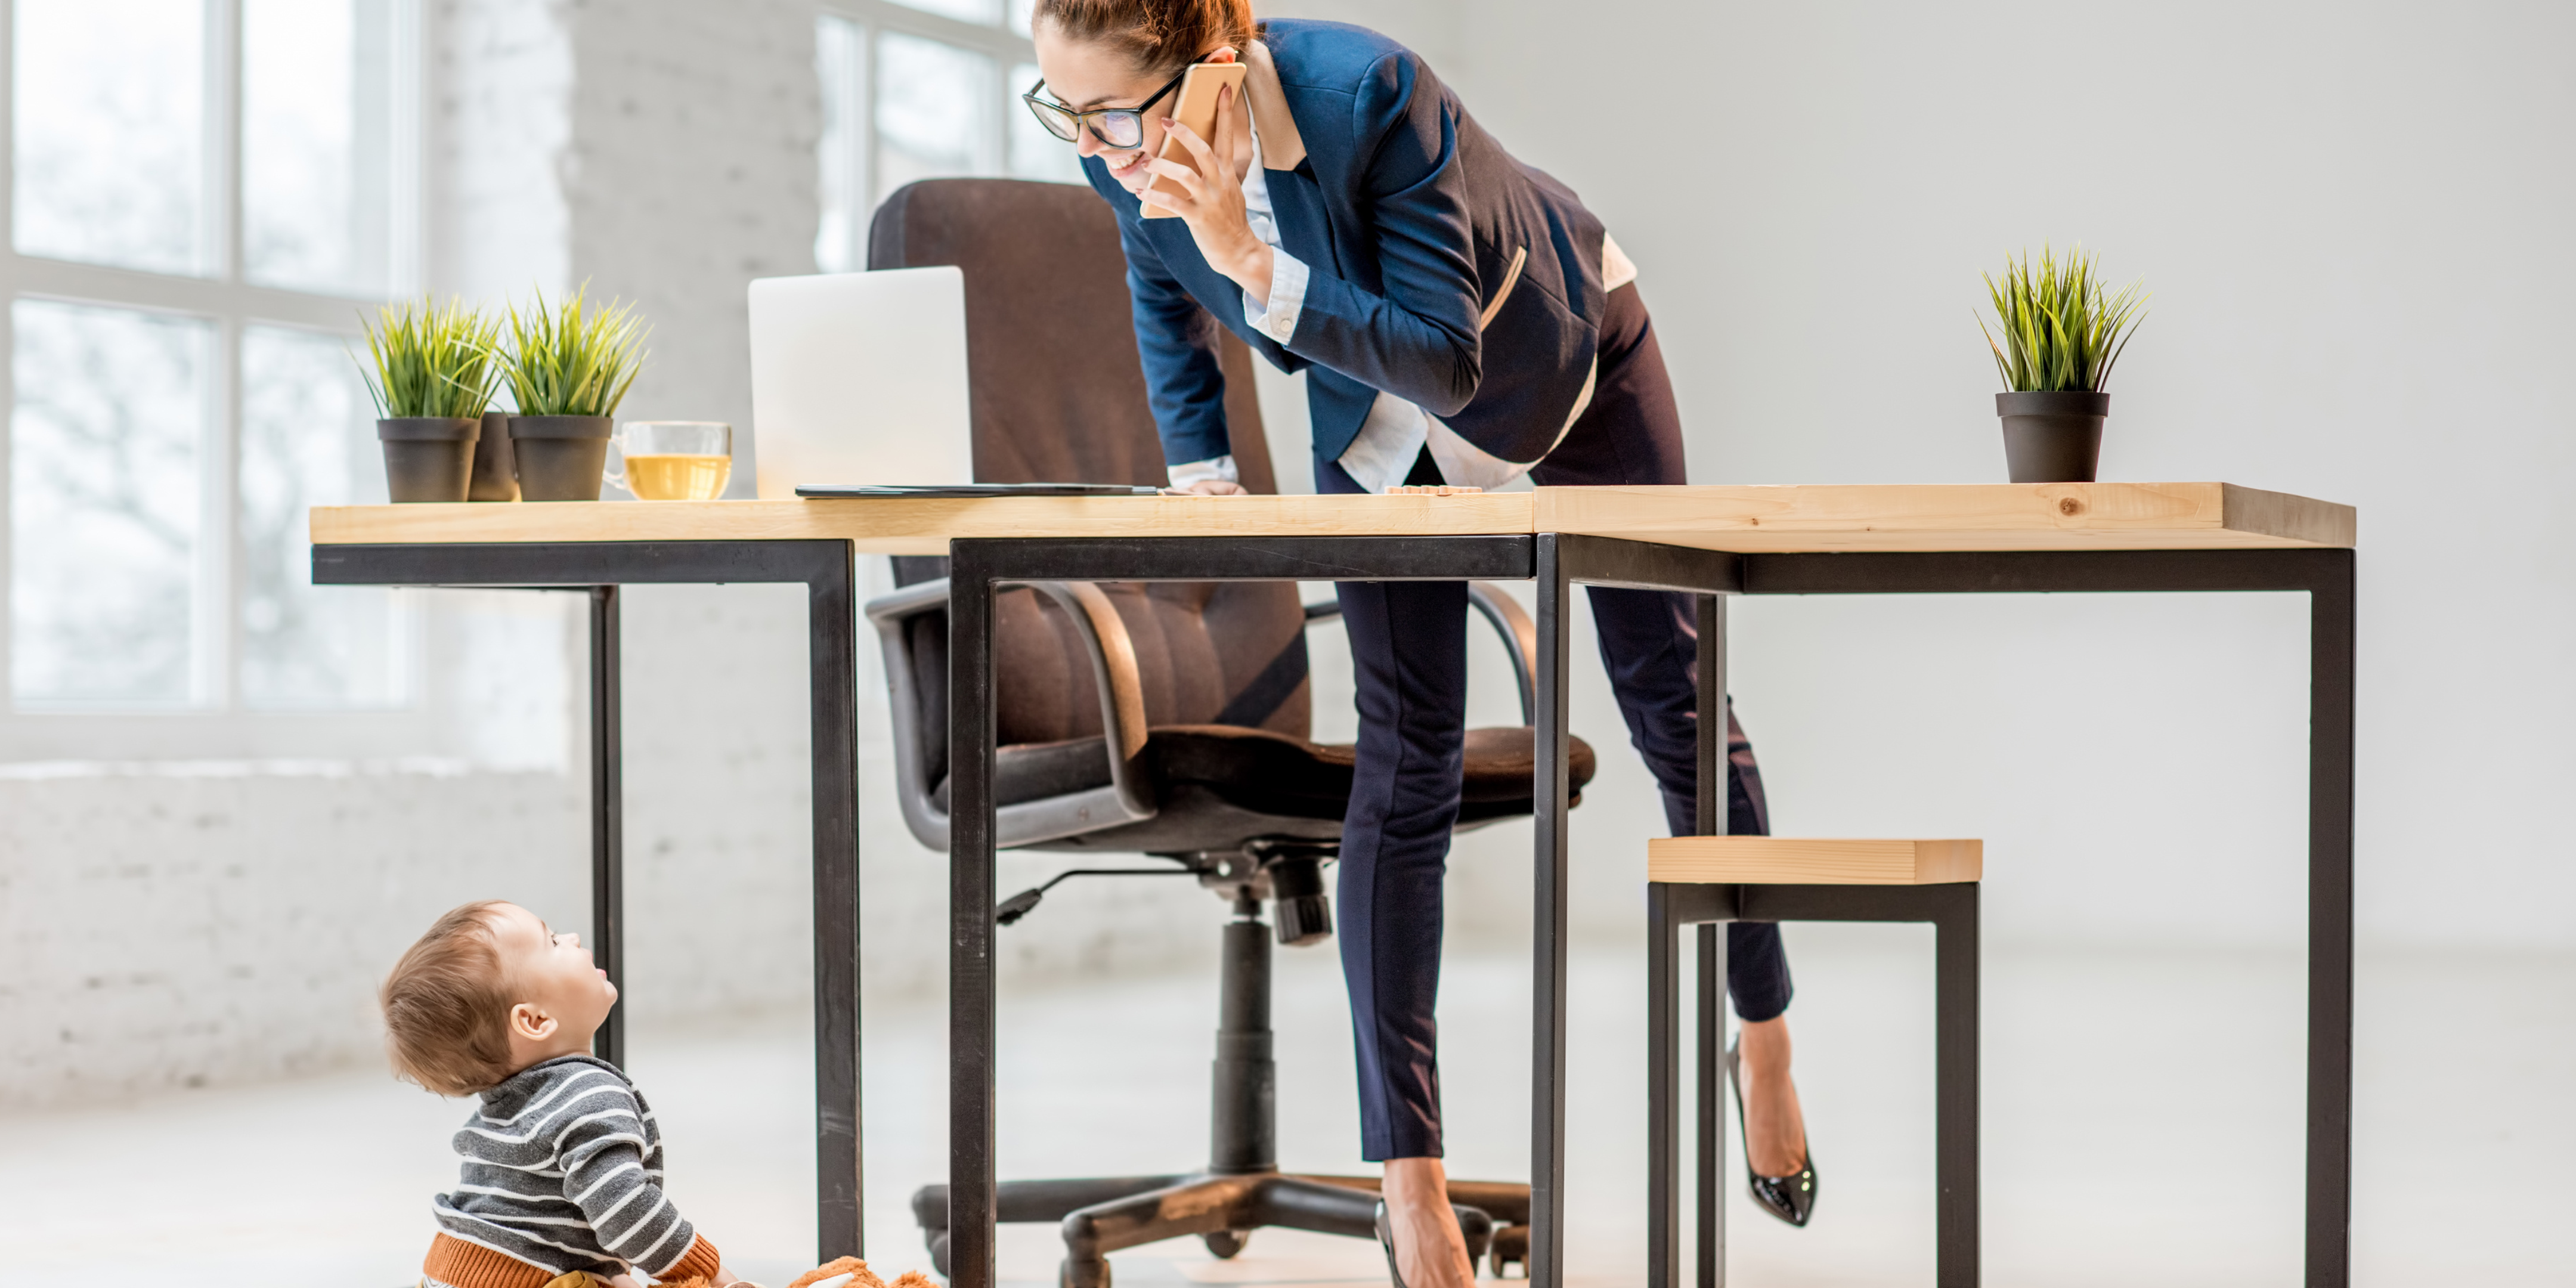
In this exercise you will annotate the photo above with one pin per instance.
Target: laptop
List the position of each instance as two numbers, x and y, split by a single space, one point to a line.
859 380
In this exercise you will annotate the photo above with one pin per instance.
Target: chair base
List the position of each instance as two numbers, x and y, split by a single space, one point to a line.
1242 1189
1101 1215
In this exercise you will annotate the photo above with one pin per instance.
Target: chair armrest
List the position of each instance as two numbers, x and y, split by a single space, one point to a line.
889 613
1122 716
1520 639
1122 689
911 601
1509 620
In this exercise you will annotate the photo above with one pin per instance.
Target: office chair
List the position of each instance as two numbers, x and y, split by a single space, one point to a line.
1164 719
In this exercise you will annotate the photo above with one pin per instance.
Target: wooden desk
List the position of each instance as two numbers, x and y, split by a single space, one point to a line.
2003 516
1714 542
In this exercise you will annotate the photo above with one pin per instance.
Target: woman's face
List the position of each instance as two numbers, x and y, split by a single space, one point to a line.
1084 75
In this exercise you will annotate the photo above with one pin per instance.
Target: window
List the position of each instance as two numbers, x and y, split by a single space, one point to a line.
920 89
203 196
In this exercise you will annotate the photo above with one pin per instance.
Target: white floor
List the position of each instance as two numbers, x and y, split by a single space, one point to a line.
2141 1127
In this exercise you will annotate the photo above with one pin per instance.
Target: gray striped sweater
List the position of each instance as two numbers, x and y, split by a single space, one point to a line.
563 1170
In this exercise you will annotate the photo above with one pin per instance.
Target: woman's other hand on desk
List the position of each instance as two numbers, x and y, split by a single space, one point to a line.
1211 198
1213 487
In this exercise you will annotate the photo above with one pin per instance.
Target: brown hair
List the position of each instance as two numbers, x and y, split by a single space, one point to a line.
1159 36
447 1007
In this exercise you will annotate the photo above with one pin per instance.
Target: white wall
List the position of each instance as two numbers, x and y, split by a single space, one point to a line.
2354 220
166 924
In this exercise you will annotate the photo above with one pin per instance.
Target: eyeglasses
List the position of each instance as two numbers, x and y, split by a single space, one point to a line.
1119 127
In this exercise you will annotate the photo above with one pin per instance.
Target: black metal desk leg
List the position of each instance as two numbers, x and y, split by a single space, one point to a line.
971 1205
1955 1082
1710 1128
1712 728
2330 729
1547 938
607 821
832 661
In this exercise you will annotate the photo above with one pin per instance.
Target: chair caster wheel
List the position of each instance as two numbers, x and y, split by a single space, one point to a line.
1093 1274
938 1241
1477 1228
1224 1244
1511 1247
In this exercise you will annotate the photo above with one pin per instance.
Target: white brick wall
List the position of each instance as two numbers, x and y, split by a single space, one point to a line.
497 88
179 925
170 925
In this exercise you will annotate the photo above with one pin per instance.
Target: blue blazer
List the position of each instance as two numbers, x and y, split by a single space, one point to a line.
1410 219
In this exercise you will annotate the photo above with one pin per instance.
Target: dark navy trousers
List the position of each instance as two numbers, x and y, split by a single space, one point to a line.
1409 649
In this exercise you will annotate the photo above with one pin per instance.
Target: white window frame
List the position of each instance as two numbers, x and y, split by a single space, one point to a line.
999 42
216 725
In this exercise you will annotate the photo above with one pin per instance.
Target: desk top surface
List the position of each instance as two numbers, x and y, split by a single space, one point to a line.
1746 519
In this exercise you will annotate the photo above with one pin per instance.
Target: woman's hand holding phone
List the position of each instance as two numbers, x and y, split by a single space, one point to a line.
1211 200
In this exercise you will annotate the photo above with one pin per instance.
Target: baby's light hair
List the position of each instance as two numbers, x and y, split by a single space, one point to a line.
447 1006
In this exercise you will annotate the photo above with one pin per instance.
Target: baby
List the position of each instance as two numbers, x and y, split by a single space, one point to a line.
562 1163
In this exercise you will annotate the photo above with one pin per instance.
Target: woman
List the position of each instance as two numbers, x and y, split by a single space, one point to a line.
1464 320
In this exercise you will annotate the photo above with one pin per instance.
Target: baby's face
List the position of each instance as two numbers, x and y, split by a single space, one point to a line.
553 975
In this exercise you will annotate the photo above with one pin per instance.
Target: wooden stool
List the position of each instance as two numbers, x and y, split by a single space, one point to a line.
1703 880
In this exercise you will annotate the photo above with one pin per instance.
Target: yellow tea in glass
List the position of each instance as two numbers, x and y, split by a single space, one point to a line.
675 460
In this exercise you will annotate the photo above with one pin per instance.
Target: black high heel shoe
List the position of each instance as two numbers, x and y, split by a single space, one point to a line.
1474 1225
1386 1240
1790 1198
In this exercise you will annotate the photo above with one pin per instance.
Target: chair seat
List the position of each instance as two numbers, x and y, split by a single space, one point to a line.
1789 860
1270 773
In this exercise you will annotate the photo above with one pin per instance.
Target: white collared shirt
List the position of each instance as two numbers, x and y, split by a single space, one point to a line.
1396 430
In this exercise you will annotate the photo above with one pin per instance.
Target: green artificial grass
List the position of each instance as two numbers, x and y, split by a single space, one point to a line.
573 358
2063 329
431 360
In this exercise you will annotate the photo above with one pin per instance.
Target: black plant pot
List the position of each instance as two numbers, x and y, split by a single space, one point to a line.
428 458
560 458
2053 437
495 478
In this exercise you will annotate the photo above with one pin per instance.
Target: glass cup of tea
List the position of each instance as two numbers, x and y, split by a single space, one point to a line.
675 460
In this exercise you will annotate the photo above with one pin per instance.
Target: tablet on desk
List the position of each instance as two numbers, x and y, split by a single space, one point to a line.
841 491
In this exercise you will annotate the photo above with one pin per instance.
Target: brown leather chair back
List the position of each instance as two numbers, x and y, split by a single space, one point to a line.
1056 391
1057 394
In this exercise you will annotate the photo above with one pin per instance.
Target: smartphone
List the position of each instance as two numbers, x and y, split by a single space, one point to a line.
1197 110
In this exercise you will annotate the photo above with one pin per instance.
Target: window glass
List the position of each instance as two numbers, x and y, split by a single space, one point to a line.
308 439
840 66
109 111
317 144
1021 11
987 12
930 104
103 504
1035 153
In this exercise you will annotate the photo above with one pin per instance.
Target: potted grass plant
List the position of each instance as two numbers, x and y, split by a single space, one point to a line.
2063 331
568 366
432 375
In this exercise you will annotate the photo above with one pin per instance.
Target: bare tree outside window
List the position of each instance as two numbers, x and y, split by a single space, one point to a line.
915 89
191 245
308 438
103 511
109 108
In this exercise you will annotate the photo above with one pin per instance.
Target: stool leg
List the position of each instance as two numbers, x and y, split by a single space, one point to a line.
1712 1117
1955 1084
1663 1099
